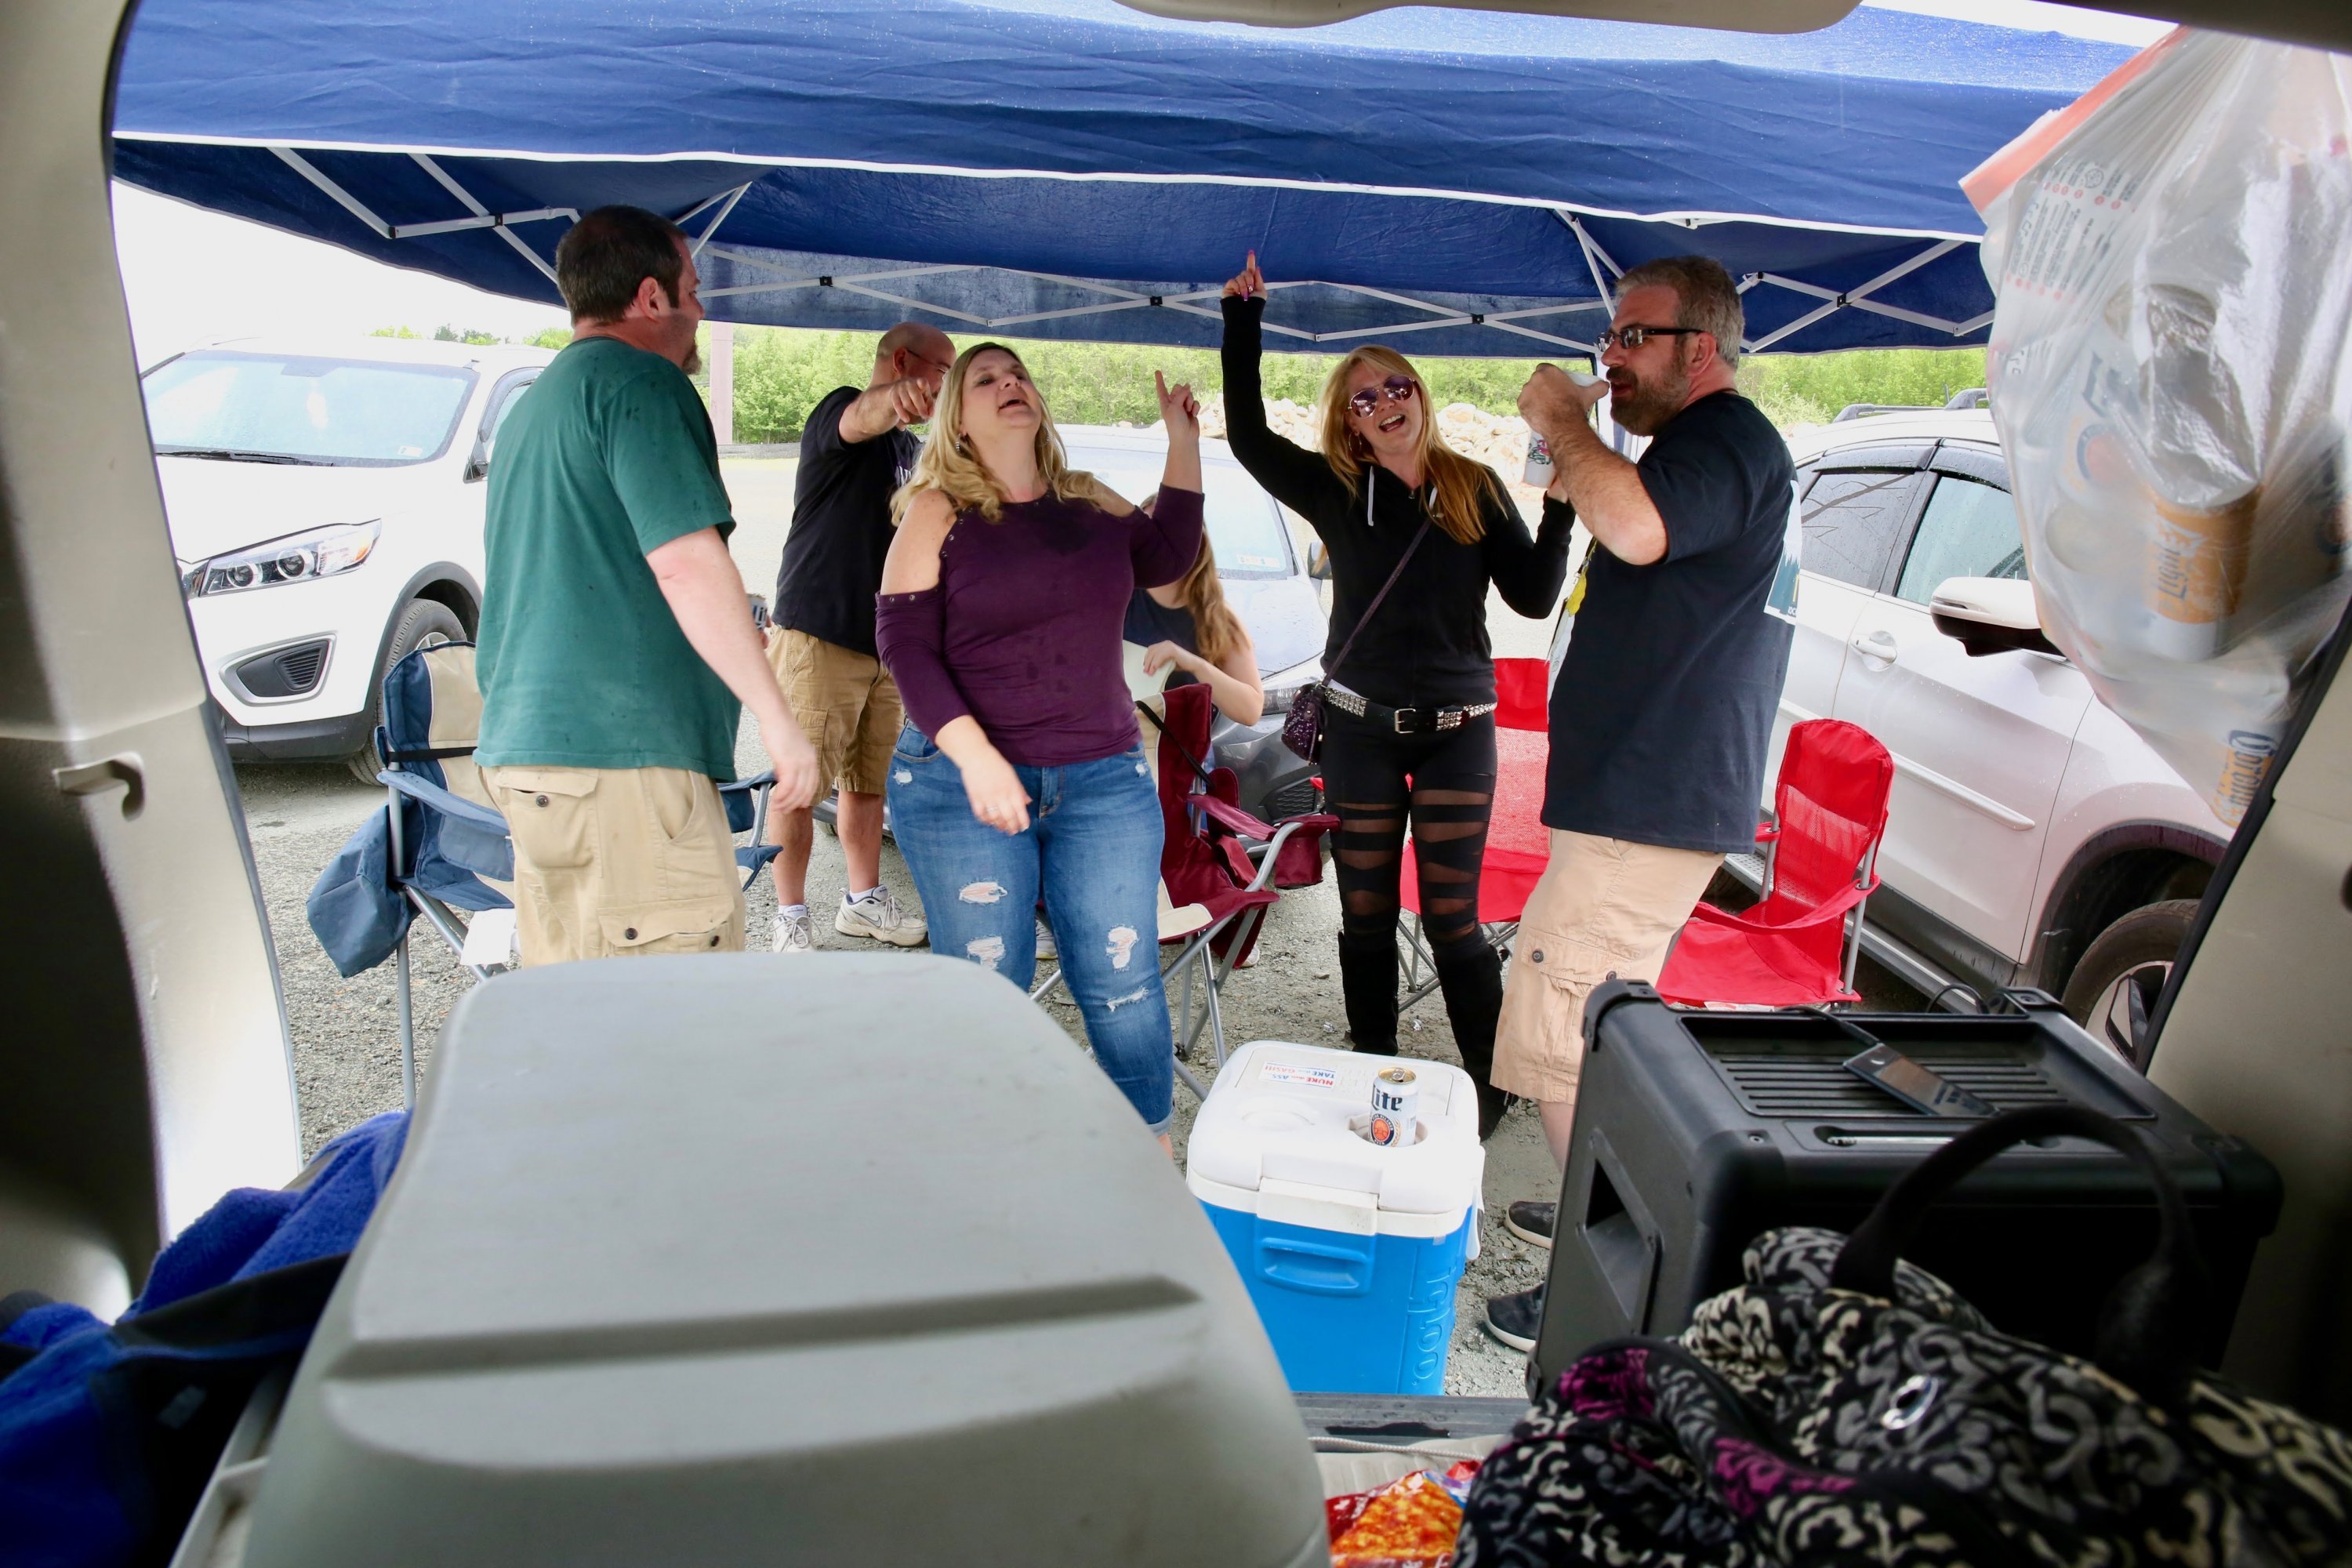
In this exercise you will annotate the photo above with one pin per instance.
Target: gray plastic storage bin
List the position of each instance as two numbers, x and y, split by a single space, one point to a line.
727 1261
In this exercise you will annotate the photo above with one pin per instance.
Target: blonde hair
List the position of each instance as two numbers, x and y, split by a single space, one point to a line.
1462 485
1215 628
948 464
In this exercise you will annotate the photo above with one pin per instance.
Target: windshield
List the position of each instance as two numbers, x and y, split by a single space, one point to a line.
1244 526
288 409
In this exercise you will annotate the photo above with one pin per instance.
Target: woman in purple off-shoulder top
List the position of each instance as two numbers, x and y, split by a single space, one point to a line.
1021 772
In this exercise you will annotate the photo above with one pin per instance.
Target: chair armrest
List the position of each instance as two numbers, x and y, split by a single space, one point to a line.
433 797
1265 863
737 799
1232 817
1836 909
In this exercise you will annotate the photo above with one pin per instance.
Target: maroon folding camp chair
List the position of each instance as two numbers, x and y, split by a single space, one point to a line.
1797 947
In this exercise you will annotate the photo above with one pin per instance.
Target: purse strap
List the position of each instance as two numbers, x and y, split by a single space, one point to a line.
1331 670
1200 772
2154 1320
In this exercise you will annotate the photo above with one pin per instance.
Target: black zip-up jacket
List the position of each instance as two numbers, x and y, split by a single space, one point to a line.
1427 647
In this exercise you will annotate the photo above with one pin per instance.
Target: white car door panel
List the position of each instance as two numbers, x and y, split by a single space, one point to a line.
1980 744
1854 510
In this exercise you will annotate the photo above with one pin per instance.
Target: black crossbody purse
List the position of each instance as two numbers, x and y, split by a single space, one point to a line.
1303 731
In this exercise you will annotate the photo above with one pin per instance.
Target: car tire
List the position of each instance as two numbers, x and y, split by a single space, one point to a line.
2112 991
421 623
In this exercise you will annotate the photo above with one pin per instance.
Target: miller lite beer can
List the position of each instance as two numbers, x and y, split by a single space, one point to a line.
1396 1107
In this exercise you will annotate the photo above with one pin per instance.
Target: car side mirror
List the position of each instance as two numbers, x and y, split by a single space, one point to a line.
1991 615
1318 562
478 466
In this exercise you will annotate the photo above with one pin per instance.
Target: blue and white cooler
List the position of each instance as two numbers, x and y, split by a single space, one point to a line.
1352 1250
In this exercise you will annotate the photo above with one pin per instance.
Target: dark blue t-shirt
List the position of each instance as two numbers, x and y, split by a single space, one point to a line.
1663 711
1149 621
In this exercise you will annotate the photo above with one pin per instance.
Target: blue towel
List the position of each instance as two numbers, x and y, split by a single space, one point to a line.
108 1433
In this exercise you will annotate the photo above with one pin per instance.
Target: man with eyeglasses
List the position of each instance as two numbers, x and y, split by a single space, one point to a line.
855 451
1662 711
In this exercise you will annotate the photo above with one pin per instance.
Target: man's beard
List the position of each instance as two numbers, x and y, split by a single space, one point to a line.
1649 404
692 364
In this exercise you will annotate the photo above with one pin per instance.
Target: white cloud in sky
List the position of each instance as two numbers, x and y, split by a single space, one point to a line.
192 275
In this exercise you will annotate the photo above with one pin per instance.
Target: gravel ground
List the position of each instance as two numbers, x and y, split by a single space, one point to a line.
346 1036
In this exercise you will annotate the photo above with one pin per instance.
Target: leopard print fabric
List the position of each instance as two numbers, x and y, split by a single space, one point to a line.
1793 1423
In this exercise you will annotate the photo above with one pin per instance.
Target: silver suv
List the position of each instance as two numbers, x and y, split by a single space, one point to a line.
2035 839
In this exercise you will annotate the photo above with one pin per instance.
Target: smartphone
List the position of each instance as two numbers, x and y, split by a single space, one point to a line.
1915 1085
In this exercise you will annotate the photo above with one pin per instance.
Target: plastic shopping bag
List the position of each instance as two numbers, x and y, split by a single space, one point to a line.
2171 370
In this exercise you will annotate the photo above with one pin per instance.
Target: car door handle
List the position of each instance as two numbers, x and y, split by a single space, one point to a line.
1878 645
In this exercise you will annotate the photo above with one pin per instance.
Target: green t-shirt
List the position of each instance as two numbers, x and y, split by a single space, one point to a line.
581 663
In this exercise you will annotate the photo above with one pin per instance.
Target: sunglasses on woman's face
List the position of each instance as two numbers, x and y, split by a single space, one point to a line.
1396 388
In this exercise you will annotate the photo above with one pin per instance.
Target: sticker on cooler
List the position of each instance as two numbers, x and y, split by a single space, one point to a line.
1295 1075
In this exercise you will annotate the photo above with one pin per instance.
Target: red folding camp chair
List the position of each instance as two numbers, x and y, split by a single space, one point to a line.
1797 947
1518 846
1219 866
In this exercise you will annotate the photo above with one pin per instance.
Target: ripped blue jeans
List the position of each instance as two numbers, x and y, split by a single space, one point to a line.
1092 851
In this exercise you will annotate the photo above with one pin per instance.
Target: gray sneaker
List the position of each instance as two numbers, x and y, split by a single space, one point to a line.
793 933
878 916
1517 1320
1045 948
1531 1222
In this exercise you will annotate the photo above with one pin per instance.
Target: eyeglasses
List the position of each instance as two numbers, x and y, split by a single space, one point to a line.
1631 338
1398 389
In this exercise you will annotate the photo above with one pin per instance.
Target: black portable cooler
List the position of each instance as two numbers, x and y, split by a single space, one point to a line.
1697 1131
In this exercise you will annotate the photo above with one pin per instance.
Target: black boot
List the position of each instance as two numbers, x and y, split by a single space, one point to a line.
1367 981
1470 974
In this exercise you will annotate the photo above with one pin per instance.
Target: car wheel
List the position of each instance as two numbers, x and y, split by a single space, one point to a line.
422 622
2113 990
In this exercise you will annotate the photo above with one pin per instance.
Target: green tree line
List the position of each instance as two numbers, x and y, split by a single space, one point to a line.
781 372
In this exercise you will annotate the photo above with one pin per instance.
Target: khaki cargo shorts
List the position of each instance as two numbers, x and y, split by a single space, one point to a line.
845 704
1604 907
619 860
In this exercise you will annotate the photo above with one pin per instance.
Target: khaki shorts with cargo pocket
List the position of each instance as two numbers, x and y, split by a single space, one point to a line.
845 702
1604 907
612 861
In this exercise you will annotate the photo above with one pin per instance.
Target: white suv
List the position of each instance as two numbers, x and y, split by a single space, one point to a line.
325 503
2035 839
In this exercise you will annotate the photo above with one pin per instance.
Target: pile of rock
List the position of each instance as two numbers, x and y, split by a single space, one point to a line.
1498 440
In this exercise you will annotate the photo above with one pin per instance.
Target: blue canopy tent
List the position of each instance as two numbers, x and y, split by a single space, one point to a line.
1074 168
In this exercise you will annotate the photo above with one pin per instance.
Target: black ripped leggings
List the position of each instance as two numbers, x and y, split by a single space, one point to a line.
1444 783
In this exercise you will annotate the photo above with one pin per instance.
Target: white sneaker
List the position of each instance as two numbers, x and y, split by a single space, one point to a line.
1045 948
877 915
793 933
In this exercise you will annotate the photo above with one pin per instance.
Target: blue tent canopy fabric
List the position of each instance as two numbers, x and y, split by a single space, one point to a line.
1072 169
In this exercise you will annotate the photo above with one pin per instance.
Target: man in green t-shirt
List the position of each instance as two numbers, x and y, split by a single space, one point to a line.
616 639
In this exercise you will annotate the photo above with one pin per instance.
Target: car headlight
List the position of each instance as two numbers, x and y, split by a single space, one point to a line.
1283 686
297 558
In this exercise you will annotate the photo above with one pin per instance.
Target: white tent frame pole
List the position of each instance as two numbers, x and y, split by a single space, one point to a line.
1595 259
1859 299
1602 266
443 178
712 226
342 199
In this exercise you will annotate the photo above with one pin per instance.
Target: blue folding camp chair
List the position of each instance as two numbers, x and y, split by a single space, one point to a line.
444 848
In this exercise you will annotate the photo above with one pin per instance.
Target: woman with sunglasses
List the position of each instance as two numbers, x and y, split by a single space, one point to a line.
1409 710
1021 772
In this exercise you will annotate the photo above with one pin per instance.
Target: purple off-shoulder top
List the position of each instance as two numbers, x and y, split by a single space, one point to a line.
1022 631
